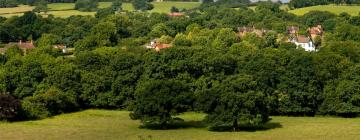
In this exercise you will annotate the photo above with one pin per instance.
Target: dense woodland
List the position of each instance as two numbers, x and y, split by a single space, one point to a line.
236 81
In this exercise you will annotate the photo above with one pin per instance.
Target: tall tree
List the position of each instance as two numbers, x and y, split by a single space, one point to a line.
41 6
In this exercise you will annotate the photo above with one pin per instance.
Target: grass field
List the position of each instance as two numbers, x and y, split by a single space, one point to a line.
352 10
67 9
116 125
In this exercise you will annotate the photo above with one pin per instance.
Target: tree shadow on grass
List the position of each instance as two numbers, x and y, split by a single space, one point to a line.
246 128
178 124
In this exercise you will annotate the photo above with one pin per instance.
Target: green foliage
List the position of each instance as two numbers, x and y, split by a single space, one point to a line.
9 107
314 18
52 102
342 96
8 3
233 102
181 40
41 6
157 101
86 5
142 5
225 38
174 9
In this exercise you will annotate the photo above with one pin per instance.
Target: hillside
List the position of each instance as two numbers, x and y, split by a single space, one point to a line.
352 10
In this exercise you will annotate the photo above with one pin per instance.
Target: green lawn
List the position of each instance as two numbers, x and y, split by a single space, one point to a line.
352 10
67 9
116 125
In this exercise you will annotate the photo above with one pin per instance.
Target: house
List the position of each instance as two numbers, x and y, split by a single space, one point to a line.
303 42
316 31
2 50
63 48
175 14
292 30
24 46
242 31
158 46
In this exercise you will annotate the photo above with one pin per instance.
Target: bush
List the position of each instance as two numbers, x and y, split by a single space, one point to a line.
52 102
86 5
9 107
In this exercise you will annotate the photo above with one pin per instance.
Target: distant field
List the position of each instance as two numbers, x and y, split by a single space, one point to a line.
116 125
67 9
352 10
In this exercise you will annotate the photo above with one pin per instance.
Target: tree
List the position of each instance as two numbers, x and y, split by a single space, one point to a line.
86 5
234 102
156 101
174 9
314 18
52 102
41 6
270 39
116 5
9 107
8 3
342 97
225 38
142 5
181 40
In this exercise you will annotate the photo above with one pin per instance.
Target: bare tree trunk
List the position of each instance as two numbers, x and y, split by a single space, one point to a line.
235 125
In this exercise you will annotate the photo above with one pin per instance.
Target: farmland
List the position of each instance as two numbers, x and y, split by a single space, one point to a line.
67 9
352 10
102 124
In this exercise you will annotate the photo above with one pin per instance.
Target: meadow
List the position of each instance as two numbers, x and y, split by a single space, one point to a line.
104 124
67 9
336 9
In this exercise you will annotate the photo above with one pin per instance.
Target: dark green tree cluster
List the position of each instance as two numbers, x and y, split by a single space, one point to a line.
8 3
142 5
86 5
307 3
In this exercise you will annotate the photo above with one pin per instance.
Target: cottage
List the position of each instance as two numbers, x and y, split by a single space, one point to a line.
315 31
175 14
63 48
292 30
245 30
303 42
24 46
158 46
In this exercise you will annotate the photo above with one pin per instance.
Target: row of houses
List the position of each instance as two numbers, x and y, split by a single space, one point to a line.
27 46
303 41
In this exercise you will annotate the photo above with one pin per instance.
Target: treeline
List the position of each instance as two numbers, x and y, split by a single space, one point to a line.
15 3
236 81
307 3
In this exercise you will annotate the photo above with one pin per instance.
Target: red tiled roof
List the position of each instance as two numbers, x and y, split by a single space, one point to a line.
59 46
315 30
163 46
2 50
22 45
26 45
176 14
302 39
158 47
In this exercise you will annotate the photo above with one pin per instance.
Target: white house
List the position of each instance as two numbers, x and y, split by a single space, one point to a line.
303 42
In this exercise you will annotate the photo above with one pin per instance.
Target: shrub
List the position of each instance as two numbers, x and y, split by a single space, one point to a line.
9 107
86 5
52 102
